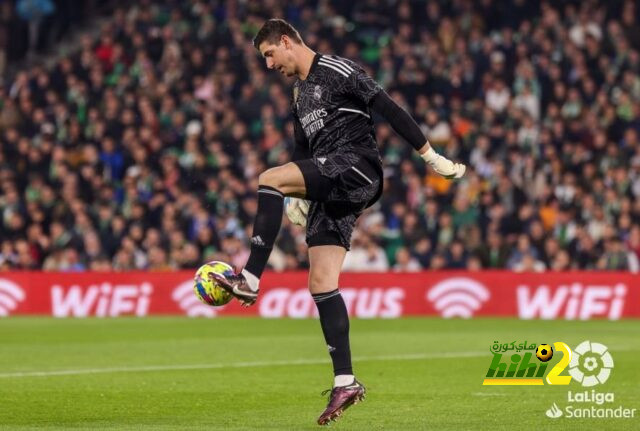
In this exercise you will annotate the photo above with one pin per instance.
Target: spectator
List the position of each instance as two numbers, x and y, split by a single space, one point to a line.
405 262
366 255
142 149
494 253
528 263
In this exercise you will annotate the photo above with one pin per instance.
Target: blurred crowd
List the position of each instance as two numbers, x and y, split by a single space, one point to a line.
142 150
31 28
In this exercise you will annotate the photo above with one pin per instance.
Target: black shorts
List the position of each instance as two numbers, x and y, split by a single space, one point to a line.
339 187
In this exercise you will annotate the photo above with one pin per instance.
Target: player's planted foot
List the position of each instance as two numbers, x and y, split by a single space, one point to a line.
341 398
238 286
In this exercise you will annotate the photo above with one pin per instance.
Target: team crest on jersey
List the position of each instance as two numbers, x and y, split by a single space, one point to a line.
317 92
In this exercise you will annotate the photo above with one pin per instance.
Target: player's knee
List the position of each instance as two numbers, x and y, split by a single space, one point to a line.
269 178
321 284
284 179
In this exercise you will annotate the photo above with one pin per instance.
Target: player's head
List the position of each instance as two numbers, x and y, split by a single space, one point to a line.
277 41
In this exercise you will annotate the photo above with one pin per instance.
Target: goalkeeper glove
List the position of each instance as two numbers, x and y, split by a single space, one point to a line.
297 210
443 166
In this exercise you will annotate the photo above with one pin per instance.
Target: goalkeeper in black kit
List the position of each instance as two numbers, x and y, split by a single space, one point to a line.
334 175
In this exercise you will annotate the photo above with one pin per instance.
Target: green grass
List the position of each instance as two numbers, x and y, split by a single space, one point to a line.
439 387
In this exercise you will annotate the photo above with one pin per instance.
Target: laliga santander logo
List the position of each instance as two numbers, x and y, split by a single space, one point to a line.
10 295
458 297
591 363
189 303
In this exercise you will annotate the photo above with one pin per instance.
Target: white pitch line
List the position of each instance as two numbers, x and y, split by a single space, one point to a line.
488 394
410 357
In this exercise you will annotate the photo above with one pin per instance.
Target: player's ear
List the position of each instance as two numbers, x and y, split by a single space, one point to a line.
284 39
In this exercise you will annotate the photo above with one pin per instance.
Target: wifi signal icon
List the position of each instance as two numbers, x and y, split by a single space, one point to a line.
458 297
10 295
185 298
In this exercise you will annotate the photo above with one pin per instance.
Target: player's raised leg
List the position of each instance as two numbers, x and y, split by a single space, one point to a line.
273 185
325 265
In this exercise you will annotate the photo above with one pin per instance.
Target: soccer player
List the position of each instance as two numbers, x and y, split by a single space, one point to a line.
334 175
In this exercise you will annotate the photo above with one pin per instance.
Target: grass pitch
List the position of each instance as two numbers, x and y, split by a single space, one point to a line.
242 374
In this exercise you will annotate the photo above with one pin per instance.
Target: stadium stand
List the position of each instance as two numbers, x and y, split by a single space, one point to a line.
142 150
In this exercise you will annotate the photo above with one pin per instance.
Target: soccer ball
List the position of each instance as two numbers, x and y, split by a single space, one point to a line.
544 352
206 288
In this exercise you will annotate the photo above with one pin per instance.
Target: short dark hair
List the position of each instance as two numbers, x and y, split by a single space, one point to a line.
272 31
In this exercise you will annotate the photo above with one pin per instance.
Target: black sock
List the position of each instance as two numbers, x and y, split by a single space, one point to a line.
335 326
265 228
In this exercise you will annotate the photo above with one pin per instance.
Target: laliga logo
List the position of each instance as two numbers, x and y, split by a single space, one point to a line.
554 412
591 363
10 295
187 301
458 297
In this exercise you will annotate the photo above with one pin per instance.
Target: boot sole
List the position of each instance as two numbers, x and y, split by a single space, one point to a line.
336 414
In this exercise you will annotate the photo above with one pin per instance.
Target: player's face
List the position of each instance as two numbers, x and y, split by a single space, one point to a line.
278 57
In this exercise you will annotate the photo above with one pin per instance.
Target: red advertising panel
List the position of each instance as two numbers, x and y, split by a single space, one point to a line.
571 295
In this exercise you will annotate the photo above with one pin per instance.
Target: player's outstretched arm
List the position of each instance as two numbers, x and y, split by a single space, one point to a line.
406 127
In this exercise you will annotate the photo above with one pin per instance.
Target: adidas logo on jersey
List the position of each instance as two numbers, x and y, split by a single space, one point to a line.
338 65
256 240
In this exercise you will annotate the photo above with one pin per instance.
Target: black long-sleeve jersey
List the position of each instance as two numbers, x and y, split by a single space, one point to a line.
331 110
